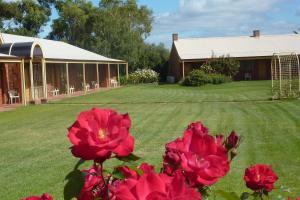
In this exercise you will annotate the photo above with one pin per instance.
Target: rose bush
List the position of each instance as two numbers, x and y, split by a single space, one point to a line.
260 177
191 164
202 157
98 133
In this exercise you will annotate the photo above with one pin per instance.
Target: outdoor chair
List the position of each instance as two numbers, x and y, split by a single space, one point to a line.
71 89
95 85
248 77
13 96
113 83
55 92
85 87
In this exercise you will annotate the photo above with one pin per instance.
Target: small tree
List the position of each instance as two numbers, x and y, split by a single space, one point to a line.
224 65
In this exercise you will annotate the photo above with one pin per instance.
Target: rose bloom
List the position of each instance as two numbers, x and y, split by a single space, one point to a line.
152 186
44 196
289 198
232 141
98 133
202 157
260 177
93 184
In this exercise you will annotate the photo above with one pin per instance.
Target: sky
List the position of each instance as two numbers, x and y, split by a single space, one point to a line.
209 18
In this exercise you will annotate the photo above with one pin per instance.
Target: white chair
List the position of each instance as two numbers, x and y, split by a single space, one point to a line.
55 92
87 87
13 96
71 89
113 83
95 85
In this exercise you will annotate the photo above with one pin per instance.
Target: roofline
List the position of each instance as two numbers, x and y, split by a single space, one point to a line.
237 36
53 60
239 58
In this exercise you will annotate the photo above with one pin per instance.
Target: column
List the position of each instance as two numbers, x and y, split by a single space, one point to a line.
68 80
97 71
84 84
31 80
23 87
118 66
183 74
44 79
108 73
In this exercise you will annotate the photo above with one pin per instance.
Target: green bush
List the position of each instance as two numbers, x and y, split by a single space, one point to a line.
199 77
224 65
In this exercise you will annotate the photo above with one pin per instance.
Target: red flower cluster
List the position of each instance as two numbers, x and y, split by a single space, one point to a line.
260 177
191 163
93 184
202 157
44 196
97 134
298 198
152 186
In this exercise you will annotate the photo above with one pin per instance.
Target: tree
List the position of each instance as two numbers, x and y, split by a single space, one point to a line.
117 28
25 17
75 24
122 29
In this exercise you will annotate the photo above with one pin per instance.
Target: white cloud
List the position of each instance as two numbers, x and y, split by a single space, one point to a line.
218 17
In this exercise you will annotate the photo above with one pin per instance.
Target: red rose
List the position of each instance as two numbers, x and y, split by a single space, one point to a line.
260 177
98 133
45 196
289 198
93 184
202 157
153 186
232 141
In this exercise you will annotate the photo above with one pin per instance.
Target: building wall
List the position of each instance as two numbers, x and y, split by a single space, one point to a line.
10 79
259 69
256 69
175 67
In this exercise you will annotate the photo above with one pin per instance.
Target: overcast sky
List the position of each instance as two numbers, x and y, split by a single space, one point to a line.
206 18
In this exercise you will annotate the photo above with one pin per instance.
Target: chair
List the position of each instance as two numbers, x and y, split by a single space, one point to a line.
113 83
85 87
55 92
71 89
95 85
248 76
13 95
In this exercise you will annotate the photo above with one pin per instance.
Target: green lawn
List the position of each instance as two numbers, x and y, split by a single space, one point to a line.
34 148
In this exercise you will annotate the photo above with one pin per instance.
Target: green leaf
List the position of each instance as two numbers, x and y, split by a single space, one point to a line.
129 158
118 175
75 182
245 196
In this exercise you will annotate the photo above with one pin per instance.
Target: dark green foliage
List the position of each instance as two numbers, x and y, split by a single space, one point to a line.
199 77
75 24
224 65
25 17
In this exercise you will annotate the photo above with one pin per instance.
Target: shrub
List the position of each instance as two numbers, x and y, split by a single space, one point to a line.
199 77
224 65
143 76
